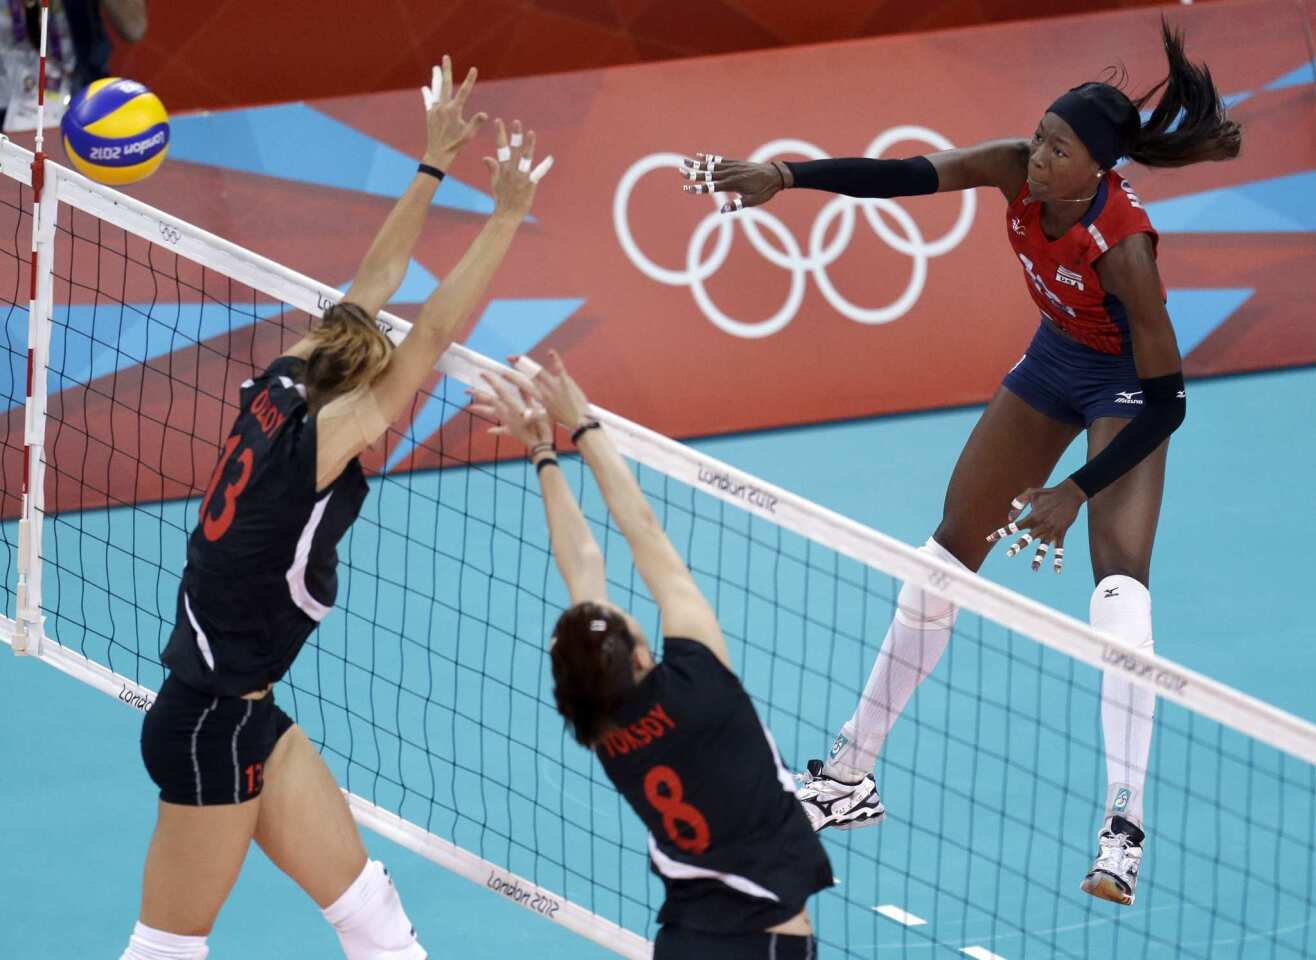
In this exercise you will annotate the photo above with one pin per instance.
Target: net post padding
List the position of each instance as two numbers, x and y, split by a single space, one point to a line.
45 213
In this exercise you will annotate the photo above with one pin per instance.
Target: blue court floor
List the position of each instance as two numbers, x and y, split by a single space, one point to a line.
1229 583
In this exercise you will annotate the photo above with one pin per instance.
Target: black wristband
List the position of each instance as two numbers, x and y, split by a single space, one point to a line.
546 462
434 172
862 177
584 428
1164 405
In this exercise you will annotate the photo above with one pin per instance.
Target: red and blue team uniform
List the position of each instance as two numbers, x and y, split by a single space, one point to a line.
1079 366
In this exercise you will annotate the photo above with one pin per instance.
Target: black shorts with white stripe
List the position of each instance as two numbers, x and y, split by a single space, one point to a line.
681 943
202 750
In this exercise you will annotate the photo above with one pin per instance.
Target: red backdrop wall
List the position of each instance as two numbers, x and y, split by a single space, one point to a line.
233 52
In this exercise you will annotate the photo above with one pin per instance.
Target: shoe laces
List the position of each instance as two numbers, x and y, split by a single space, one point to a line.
1114 847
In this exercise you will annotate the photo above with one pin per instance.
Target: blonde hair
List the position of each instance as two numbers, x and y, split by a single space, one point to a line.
350 352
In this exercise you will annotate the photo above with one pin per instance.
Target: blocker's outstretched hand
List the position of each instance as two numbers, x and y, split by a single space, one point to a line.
510 400
560 394
513 175
1054 509
756 183
446 131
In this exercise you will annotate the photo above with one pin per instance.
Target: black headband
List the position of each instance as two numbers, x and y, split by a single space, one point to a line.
1090 122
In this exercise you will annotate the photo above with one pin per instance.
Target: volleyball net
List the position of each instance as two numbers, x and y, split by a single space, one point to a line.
428 689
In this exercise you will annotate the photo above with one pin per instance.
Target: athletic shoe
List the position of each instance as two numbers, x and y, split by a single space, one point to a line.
834 803
1114 876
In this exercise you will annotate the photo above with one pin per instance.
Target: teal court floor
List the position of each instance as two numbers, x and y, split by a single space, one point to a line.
1230 581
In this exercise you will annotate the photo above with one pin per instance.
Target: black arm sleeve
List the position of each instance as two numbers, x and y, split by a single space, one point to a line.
1163 408
862 177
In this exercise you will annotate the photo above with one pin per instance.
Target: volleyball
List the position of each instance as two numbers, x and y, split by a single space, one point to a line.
116 131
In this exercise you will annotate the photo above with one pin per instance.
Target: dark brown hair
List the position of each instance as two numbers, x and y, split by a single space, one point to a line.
1188 123
350 351
592 673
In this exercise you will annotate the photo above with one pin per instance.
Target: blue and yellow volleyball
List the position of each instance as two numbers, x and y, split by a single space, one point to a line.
116 131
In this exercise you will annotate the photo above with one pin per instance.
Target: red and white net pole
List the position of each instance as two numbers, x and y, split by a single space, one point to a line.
28 628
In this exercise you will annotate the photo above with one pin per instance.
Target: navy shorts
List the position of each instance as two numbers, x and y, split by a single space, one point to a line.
1073 383
203 750
680 943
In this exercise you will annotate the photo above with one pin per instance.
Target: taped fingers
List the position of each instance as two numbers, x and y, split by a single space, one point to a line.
1009 530
527 367
541 171
1019 545
1059 561
1040 556
700 168
434 92
526 148
734 205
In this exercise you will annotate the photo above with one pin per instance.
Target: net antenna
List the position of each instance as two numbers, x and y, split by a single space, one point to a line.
427 694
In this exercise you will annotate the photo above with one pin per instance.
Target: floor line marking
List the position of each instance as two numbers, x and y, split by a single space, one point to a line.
891 911
980 953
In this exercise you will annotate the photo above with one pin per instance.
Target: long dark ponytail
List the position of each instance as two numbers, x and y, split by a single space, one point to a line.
1188 123
1203 132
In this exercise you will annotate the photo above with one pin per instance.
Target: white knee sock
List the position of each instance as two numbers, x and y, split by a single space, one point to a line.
914 644
149 944
1122 606
370 921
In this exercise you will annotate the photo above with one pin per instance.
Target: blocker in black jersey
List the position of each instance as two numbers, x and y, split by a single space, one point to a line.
261 563
726 832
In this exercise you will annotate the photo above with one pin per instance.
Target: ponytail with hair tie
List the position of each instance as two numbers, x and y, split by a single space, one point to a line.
592 672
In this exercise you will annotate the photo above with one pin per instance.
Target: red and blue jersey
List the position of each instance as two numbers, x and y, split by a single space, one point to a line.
1060 273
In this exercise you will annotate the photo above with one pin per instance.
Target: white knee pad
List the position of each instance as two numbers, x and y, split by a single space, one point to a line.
147 943
370 921
926 611
1122 606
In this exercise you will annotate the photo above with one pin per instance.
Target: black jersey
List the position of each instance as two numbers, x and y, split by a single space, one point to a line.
726 831
262 562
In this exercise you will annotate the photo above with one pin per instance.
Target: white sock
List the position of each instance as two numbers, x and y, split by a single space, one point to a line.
1122 606
150 944
913 646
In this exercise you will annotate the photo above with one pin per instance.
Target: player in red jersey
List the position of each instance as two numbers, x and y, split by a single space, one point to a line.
1104 360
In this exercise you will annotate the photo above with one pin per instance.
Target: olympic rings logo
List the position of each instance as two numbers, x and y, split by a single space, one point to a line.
787 254
171 235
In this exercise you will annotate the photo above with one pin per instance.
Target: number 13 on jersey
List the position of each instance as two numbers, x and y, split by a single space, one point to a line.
212 528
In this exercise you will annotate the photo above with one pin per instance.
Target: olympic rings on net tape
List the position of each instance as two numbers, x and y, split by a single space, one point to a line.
761 228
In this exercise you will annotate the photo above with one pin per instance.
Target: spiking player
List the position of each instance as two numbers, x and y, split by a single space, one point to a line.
1104 360
680 738
261 574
